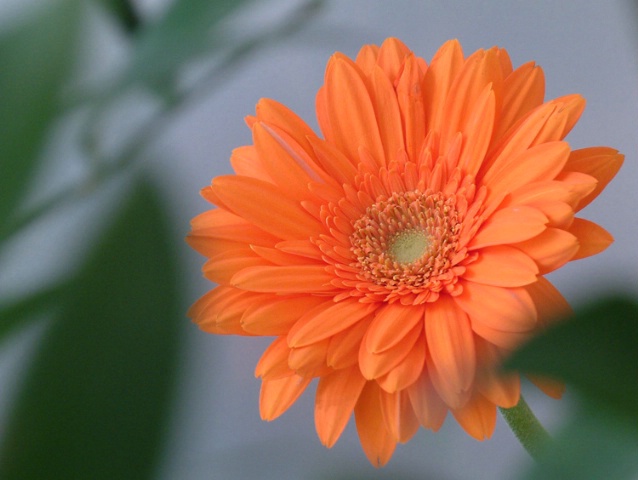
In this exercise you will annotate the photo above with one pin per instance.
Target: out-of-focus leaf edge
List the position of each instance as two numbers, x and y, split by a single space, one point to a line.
36 58
594 352
95 401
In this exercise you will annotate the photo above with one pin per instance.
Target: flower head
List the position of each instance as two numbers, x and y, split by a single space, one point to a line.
399 258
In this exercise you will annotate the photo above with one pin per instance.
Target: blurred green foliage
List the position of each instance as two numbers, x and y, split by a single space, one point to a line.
187 29
596 354
98 393
96 401
36 61
125 12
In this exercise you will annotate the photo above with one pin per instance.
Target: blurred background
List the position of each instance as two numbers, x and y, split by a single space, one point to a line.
114 114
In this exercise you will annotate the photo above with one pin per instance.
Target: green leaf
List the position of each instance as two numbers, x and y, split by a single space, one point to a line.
595 444
95 401
36 58
17 313
184 31
595 352
125 12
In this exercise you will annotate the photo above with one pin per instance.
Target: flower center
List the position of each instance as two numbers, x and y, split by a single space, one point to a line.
408 246
407 242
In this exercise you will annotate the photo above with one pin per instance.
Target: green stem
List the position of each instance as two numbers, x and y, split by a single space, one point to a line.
527 428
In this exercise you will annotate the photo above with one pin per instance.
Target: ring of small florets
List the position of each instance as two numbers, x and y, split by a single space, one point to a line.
407 241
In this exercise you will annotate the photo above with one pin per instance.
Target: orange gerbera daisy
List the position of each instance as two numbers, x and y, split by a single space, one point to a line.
400 257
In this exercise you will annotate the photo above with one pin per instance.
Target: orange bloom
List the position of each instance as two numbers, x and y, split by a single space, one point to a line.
400 257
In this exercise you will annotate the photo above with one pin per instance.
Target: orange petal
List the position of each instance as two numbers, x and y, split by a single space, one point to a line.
519 138
211 240
284 279
559 214
343 350
323 119
505 61
274 361
550 304
407 371
216 217
502 389
374 365
221 267
408 421
481 69
220 224
438 79
539 192
276 114
509 225
278 257
398 416
602 163
391 324
327 320
264 205
502 266
579 186
477 130
504 309
276 316
246 162
333 161
211 246
568 111
540 162
411 105
428 406
551 388
592 238
277 395
551 249
367 58
220 310
287 168
451 347
337 394
302 248
309 360
350 110
205 306
477 417
388 114
451 397
391 57
524 90
555 199
377 442
505 340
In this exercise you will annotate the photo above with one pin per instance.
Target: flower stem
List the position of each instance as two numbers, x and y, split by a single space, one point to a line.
527 428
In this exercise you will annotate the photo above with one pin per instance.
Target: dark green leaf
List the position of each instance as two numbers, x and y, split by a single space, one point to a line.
595 445
35 59
16 314
185 30
595 352
94 404
125 12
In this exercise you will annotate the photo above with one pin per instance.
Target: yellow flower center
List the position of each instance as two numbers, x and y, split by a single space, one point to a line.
408 246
